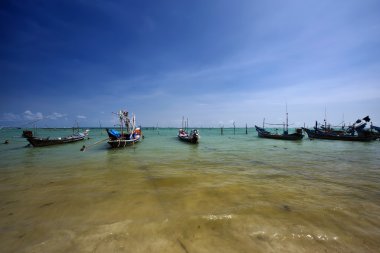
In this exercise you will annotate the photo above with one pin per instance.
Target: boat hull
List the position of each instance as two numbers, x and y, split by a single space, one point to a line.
41 142
193 137
122 143
122 140
287 137
189 139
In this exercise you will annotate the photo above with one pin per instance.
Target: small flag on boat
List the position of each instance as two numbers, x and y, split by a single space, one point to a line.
367 119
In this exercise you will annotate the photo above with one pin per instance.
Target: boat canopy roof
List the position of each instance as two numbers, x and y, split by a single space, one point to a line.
114 133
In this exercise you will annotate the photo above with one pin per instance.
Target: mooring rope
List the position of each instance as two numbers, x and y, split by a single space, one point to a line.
84 147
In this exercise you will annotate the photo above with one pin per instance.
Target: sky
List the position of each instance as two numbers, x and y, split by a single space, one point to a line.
215 62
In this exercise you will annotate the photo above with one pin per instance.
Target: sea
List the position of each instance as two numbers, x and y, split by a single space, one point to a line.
230 193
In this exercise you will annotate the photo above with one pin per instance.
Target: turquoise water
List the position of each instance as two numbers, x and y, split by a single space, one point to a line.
230 193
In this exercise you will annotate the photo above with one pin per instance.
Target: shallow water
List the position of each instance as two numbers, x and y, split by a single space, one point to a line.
230 193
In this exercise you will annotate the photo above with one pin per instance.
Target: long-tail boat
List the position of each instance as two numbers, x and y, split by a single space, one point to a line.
193 137
128 135
47 141
356 132
183 135
284 136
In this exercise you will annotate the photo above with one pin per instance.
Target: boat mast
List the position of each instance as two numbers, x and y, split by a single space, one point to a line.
127 122
134 122
287 122
325 120
121 121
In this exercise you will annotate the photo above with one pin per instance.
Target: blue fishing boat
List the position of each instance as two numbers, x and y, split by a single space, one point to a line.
128 135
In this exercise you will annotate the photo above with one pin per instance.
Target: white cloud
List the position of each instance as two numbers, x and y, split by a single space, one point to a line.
32 116
55 115
81 117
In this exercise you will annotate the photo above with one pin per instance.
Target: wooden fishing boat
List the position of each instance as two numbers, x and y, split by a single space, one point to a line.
121 140
183 134
317 134
356 132
285 136
193 137
47 141
128 134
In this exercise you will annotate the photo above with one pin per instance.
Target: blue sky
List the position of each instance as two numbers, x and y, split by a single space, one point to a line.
214 62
